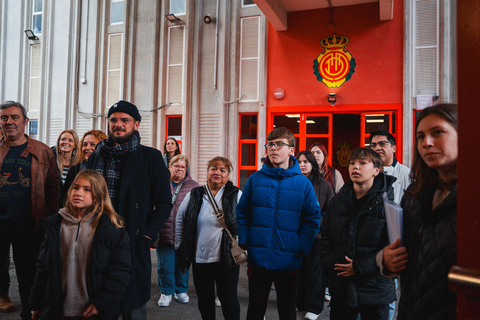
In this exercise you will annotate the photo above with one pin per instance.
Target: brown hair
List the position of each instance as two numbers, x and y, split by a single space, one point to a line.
98 135
227 162
177 150
75 153
421 174
101 199
367 153
282 133
325 170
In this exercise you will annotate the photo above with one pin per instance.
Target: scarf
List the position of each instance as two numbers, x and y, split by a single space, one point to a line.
109 164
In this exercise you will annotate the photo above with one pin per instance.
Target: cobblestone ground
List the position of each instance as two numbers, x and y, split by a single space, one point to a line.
176 310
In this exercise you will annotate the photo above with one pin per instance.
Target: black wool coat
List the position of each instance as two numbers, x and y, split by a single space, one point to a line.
109 270
360 237
430 237
144 201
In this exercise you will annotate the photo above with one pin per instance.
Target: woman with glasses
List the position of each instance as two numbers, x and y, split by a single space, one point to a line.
171 280
202 242
332 175
429 205
170 149
311 288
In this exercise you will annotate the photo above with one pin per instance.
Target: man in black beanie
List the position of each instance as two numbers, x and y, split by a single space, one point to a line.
138 184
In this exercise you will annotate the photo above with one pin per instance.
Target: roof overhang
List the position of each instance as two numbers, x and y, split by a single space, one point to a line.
277 11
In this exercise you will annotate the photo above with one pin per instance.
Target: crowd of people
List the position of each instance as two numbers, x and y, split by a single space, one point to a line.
82 216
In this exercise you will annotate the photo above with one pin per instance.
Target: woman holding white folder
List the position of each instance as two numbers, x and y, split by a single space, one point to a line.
430 221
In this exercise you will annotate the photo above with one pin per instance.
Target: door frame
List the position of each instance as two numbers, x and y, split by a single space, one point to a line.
361 109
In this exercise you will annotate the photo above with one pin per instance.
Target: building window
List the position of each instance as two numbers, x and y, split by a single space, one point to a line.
37 17
33 129
174 128
248 143
248 3
249 59
114 68
176 48
178 7
35 64
117 10
426 47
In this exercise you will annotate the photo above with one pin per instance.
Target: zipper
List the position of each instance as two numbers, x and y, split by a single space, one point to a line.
274 220
78 230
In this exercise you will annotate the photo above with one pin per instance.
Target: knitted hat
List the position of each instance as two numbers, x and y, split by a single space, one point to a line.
127 107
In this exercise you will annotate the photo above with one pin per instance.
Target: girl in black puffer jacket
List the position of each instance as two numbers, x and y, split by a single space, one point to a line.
84 265
353 231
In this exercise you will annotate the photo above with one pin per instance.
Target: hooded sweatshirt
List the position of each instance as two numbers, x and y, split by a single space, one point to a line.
76 248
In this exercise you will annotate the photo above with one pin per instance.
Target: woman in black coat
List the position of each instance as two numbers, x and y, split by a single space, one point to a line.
84 265
430 221
311 286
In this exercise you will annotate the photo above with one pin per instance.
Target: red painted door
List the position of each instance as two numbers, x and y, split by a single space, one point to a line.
468 58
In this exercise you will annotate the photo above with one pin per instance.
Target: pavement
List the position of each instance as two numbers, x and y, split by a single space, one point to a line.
177 310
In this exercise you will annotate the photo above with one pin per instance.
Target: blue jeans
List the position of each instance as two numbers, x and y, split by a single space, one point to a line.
170 278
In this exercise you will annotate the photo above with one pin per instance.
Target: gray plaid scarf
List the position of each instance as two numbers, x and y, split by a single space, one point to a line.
109 164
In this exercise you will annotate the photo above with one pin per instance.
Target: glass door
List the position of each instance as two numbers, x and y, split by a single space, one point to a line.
308 128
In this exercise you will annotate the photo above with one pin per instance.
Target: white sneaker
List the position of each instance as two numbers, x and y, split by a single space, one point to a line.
182 297
217 302
164 300
311 316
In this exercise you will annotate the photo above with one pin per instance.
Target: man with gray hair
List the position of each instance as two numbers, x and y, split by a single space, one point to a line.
30 187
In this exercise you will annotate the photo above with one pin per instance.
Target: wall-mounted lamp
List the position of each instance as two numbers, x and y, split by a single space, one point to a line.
332 98
31 35
209 19
173 19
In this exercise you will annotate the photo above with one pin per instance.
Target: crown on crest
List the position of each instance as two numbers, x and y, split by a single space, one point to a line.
344 145
334 42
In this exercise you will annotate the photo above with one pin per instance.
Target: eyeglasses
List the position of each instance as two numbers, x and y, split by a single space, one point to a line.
278 145
122 120
382 144
177 166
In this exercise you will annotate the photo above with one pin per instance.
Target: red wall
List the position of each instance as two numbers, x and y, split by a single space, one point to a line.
376 46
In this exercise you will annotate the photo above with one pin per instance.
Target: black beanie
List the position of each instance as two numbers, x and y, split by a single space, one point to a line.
127 107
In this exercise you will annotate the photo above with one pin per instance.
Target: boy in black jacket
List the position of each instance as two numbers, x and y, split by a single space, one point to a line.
354 229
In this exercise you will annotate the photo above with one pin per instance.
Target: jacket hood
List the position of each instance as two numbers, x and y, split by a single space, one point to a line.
292 170
67 217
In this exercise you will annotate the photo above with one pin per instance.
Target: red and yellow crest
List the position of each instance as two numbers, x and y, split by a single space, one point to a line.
343 154
335 65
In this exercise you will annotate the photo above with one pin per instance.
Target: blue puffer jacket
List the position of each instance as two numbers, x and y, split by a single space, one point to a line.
278 217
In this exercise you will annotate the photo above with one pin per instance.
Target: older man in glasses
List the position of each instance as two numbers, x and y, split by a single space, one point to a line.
139 188
383 143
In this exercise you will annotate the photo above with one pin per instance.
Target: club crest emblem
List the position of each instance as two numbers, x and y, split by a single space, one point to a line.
343 154
334 66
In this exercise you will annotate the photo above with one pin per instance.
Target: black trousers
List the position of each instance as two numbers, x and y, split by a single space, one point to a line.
259 284
311 284
340 310
205 277
26 245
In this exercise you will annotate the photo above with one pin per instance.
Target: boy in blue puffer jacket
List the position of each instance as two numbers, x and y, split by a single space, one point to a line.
278 217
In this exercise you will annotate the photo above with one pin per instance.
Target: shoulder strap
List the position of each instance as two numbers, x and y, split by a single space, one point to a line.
216 211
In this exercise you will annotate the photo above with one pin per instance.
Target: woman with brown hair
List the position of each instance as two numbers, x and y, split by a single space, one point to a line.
429 245
170 149
332 175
